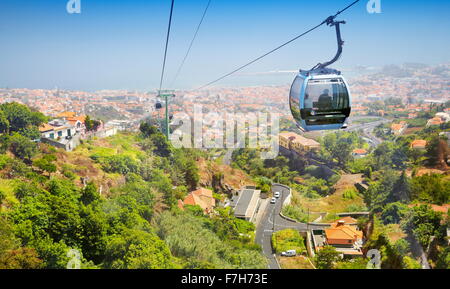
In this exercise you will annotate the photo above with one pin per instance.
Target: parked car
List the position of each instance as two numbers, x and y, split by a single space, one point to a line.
273 200
289 253
277 194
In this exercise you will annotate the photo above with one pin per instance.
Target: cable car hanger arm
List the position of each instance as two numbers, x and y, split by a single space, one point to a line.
330 22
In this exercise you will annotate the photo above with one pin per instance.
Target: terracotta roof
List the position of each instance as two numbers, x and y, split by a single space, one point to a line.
45 127
192 200
360 151
340 231
435 121
203 192
295 138
397 126
81 118
201 197
66 114
347 220
419 143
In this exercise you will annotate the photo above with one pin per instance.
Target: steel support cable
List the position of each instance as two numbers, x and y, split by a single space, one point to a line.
166 46
279 47
192 42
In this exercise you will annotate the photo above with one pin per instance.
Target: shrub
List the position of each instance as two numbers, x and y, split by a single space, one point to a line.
4 159
356 208
295 213
122 164
288 239
349 194
22 147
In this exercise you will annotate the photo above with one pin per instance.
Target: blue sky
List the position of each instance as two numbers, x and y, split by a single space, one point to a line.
118 44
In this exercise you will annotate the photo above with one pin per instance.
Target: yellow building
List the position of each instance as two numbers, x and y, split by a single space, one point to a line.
297 143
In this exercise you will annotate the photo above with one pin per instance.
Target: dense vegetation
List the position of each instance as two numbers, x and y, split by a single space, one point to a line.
288 239
398 196
46 208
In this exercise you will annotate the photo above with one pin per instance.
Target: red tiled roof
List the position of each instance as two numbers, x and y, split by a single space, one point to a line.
419 143
45 127
360 151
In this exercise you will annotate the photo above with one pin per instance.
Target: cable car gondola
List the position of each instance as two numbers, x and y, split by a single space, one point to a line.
158 103
319 98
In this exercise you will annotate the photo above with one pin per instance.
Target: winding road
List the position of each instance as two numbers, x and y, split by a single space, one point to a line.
273 222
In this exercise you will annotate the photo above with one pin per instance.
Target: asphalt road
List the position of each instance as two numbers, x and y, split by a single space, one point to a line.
367 129
273 222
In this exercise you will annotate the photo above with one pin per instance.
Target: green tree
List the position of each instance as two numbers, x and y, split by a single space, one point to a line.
88 123
327 258
44 165
89 194
393 213
53 254
401 190
4 123
339 146
11 255
382 191
22 147
437 151
94 226
19 117
423 223
147 129
191 174
162 183
163 147
431 188
21 258
26 189
122 164
137 250
191 238
443 261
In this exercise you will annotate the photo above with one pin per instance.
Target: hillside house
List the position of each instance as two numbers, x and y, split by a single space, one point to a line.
419 144
399 128
345 237
57 129
202 198
359 153
60 133
434 121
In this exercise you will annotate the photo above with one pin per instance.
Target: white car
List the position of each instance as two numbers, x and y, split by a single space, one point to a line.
289 253
277 194
273 200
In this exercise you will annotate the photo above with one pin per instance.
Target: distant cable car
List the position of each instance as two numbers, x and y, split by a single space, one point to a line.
158 105
319 98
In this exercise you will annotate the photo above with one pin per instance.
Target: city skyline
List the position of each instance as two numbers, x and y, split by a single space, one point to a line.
120 46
